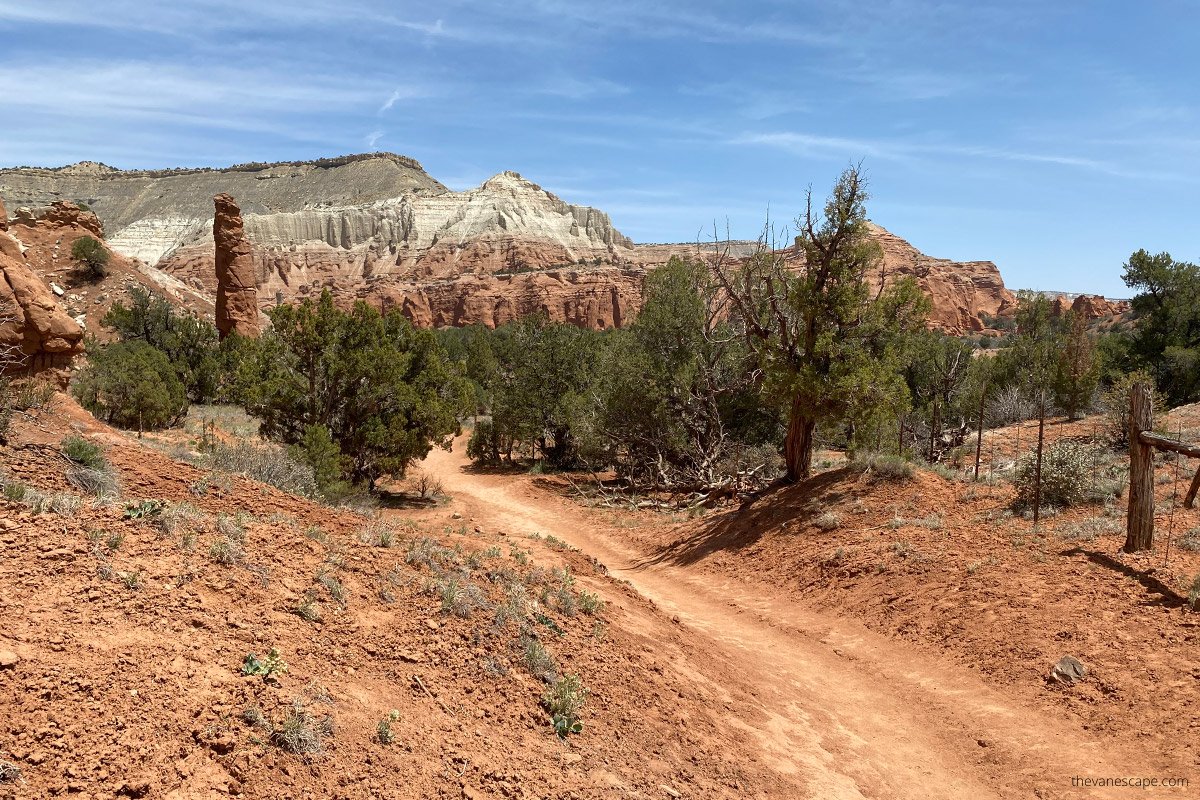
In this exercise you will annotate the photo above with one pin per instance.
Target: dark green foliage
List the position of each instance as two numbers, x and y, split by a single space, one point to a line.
1166 339
384 392
318 449
827 343
83 452
541 388
676 397
488 444
937 372
132 385
90 256
189 343
1078 370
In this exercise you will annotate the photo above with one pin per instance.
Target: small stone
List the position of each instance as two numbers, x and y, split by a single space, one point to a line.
432 624
1068 670
8 659
670 791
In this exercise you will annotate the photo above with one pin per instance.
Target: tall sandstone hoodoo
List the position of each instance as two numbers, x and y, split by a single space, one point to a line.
237 294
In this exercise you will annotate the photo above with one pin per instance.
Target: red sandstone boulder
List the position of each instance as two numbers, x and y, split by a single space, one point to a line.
31 319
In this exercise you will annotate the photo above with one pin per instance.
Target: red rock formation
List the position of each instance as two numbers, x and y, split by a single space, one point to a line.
31 320
63 213
960 291
237 294
1097 306
590 298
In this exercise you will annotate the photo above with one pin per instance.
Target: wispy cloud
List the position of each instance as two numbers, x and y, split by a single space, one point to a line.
809 145
372 138
580 88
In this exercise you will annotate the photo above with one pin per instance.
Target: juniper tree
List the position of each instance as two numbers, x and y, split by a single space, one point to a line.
385 393
828 343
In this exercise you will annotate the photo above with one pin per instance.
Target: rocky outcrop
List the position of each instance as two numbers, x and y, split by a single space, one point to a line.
959 291
1089 307
606 297
63 214
33 325
507 224
3 216
237 294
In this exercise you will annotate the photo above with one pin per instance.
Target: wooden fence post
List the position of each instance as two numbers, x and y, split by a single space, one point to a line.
1190 500
1139 533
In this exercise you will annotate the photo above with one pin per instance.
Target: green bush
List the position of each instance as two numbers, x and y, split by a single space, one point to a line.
83 452
132 385
1066 473
487 443
91 257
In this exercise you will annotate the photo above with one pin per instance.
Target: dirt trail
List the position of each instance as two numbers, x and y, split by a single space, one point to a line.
855 714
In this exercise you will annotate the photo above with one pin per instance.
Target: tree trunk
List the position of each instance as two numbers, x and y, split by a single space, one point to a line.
979 434
797 447
1139 534
1037 479
933 431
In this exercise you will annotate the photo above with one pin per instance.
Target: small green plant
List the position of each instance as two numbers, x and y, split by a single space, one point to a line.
114 540
538 660
90 256
316 534
564 701
590 603
269 666
300 732
14 492
1190 541
335 587
131 580
383 731
879 467
1194 593
144 509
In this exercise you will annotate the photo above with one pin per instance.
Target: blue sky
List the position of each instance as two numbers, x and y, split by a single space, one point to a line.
1052 137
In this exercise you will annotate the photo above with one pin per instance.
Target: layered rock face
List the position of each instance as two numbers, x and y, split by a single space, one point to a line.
590 298
237 294
379 227
959 291
507 224
32 323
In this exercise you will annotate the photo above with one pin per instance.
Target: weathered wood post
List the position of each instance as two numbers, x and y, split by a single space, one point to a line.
1139 533
1190 500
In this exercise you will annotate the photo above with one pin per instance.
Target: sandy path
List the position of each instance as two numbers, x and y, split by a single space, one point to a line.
855 714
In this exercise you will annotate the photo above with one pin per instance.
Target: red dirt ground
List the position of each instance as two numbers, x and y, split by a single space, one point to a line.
121 692
743 656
